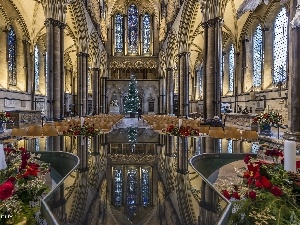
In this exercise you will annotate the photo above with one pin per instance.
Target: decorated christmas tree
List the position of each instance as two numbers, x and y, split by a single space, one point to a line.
132 101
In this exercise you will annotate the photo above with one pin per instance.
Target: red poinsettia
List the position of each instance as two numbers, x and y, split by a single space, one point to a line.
6 190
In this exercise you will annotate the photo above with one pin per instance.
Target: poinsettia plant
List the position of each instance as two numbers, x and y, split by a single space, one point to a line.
184 131
267 118
5 117
85 130
263 193
22 183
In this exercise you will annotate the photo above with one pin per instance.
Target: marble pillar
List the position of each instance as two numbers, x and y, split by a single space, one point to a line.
55 72
82 87
170 91
182 155
211 72
162 95
95 88
82 153
183 80
293 132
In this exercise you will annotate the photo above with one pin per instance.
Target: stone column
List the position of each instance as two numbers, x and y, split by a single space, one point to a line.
95 83
103 95
82 153
211 75
182 157
55 52
294 79
170 91
82 87
169 145
162 95
96 145
183 80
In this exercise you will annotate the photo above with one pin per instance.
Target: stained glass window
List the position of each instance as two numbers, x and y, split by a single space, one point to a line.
89 82
231 67
199 73
133 29
46 70
222 74
229 146
257 55
12 56
146 33
37 144
36 68
119 29
280 46
145 187
118 189
131 191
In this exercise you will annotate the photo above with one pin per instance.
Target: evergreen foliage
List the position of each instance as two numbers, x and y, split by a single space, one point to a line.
132 101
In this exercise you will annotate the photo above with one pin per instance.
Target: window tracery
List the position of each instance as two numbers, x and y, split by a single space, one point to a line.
133 29
231 67
280 46
12 56
119 33
146 33
257 56
36 68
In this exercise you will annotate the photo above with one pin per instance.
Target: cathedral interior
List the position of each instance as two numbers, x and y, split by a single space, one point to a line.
64 59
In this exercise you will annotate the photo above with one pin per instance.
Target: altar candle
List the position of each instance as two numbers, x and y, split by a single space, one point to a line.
180 122
81 121
290 156
2 158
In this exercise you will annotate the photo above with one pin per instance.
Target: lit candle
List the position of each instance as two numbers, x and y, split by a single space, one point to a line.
179 122
290 156
2 158
81 121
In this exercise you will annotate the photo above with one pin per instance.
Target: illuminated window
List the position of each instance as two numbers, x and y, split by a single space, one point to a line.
280 46
118 178
257 55
231 67
145 191
133 29
131 191
146 33
119 29
36 68
200 85
12 56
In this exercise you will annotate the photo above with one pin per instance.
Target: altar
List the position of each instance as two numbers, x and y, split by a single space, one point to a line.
240 121
114 110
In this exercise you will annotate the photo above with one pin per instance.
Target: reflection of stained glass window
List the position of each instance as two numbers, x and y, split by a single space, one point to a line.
36 68
12 56
146 33
231 67
280 46
131 191
133 26
257 56
222 73
145 187
118 177
119 33
229 146
37 144
89 83
199 73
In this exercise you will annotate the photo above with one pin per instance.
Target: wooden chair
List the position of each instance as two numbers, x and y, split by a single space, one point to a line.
249 135
233 134
204 130
217 134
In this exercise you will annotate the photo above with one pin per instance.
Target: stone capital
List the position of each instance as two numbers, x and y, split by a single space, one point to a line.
183 54
82 54
169 69
95 69
212 22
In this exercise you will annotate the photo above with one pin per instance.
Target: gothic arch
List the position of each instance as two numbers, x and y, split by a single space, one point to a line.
80 23
172 49
95 49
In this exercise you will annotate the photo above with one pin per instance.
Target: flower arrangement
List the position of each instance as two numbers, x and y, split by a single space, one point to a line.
22 183
264 193
85 130
267 118
184 131
5 117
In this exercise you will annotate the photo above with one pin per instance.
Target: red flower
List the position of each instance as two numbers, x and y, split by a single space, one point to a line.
258 184
11 179
236 195
252 194
247 158
226 194
276 191
31 171
6 190
265 182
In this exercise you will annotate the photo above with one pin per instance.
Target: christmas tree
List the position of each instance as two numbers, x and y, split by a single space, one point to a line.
132 101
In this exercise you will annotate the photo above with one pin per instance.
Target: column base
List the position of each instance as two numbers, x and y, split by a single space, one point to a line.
293 136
